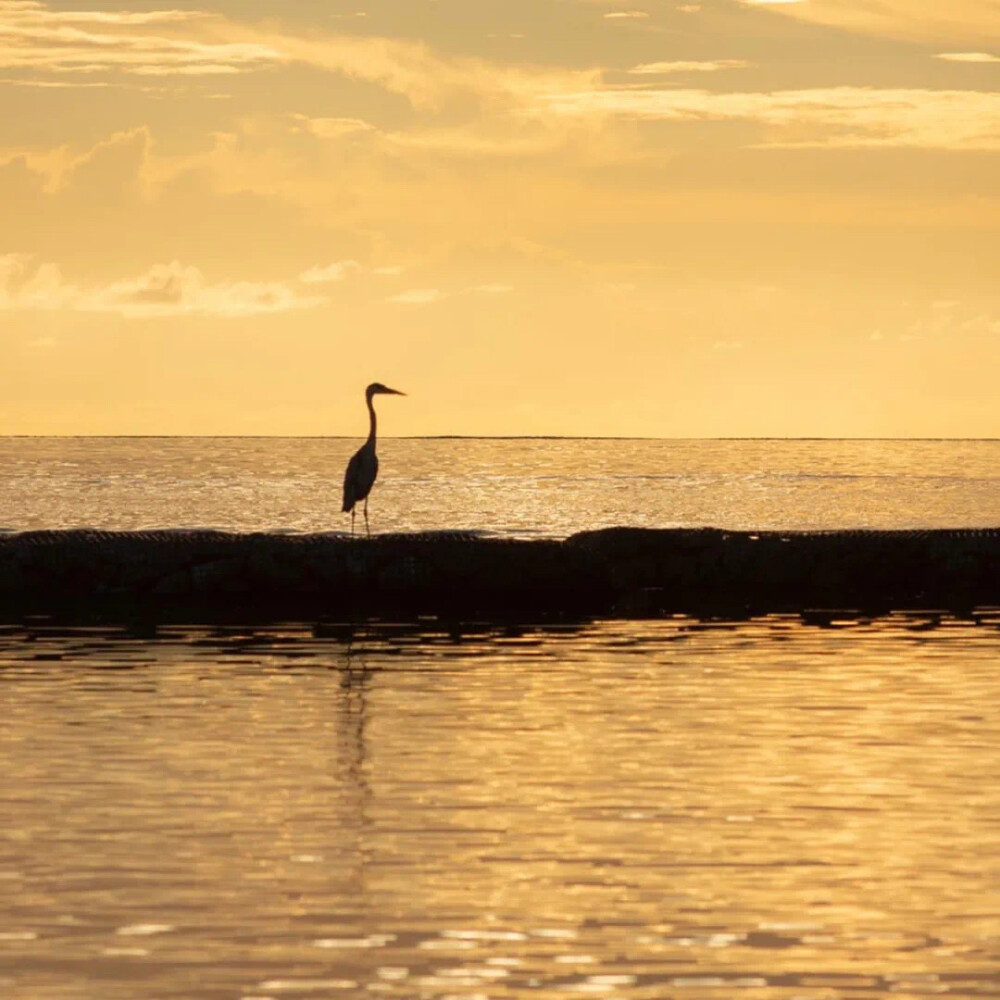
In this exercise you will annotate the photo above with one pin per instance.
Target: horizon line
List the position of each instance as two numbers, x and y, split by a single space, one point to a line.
501 437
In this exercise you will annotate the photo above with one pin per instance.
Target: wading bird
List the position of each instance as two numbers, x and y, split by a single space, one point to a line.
363 466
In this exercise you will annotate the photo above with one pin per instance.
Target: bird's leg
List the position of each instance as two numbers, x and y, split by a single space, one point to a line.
352 522
367 529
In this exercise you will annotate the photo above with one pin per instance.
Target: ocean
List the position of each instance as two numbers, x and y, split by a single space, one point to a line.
525 487
421 810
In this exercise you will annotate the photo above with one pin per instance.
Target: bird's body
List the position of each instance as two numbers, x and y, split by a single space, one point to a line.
360 475
363 466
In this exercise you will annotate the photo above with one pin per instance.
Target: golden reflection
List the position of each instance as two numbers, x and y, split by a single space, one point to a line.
617 809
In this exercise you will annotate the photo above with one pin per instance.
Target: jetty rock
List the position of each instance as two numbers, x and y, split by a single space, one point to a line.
202 575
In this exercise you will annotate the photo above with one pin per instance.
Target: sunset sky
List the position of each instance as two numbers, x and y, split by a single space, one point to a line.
648 217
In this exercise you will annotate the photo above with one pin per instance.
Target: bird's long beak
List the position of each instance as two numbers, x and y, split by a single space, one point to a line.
394 392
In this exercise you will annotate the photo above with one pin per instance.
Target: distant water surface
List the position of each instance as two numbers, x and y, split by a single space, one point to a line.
670 810
519 487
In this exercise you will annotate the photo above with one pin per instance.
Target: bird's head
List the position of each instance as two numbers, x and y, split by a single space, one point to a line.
377 388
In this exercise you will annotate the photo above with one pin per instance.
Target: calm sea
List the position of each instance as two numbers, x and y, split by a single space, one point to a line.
510 486
667 810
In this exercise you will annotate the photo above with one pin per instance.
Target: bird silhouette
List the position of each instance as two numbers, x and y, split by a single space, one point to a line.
363 466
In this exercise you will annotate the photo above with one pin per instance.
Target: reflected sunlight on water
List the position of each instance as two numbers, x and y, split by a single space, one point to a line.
636 810
511 487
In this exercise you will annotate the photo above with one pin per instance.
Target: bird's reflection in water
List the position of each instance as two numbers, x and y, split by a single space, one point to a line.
352 749
355 677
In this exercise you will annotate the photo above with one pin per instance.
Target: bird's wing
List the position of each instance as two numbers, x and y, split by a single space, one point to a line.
351 481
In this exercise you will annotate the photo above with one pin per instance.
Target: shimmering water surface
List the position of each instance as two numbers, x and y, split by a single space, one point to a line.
668 809
674 809
511 487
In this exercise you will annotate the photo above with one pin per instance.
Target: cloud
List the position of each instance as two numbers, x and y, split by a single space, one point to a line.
124 155
172 289
968 57
836 117
33 11
623 15
164 290
331 272
425 296
946 319
417 297
25 284
681 66
426 79
727 346
920 20
331 128
35 38
10 81
39 44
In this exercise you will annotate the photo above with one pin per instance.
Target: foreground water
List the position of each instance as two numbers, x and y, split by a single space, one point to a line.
667 809
509 487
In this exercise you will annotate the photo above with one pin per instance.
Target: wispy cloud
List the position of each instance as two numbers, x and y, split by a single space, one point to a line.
923 20
427 79
10 81
836 117
682 66
427 296
331 272
34 11
164 290
41 45
417 297
968 57
36 38
331 128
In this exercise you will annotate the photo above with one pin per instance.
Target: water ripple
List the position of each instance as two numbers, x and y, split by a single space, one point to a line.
617 809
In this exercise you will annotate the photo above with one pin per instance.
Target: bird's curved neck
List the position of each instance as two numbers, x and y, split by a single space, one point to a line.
371 420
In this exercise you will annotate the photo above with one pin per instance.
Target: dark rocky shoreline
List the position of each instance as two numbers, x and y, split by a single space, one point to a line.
204 576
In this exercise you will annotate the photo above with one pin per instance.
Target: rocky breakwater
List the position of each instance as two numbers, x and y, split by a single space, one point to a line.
625 572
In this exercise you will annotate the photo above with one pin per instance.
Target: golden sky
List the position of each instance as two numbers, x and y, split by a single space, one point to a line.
662 218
